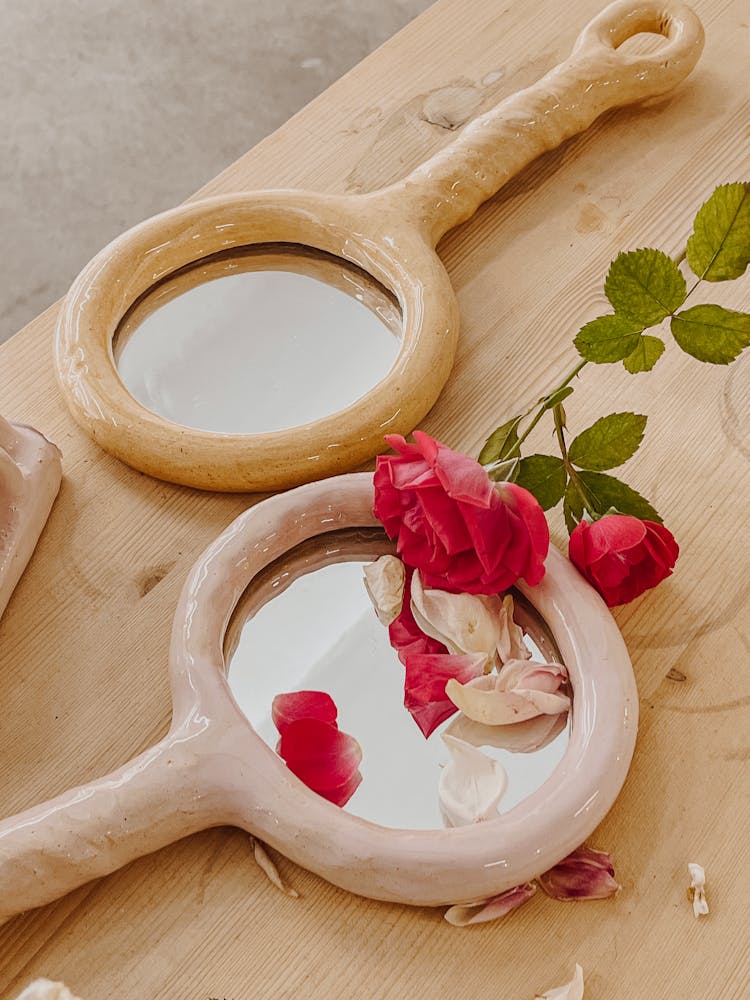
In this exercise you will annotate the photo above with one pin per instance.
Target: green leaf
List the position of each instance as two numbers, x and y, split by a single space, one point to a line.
645 285
504 471
645 356
545 477
608 338
572 507
552 400
608 492
609 442
500 442
719 248
712 333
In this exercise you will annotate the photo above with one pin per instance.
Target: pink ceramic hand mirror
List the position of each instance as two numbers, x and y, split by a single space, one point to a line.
199 346
214 768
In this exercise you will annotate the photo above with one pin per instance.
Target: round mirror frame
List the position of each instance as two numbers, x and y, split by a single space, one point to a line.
423 867
213 769
363 230
391 234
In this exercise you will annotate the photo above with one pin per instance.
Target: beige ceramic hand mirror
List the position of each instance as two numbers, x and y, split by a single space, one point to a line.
215 768
199 346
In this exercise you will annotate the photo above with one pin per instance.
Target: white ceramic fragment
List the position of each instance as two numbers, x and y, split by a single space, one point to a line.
522 690
45 989
30 476
698 887
570 991
471 784
384 581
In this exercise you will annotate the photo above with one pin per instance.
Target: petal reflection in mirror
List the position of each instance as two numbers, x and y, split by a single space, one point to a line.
307 623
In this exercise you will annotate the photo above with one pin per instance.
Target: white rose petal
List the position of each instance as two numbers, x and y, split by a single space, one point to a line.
44 989
270 870
510 645
698 886
384 580
465 623
471 784
570 991
522 690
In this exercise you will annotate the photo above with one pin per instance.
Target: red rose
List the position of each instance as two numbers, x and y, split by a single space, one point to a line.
622 556
460 530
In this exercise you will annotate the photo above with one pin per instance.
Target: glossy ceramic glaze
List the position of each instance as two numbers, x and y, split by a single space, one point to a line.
391 234
30 476
308 624
213 769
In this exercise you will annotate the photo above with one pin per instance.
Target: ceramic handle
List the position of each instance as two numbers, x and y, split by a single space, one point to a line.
97 828
448 188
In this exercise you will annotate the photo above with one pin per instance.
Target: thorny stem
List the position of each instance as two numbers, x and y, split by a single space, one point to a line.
588 500
559 418
543 407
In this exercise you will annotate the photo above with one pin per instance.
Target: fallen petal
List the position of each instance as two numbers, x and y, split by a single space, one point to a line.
384 582
570 991
471 784
510 644
698 888
532 676
425 684
44 989
490 909
521 737
267 866
484 700
493 701
584 874
323 757
465 623
296 705
404 633
341 794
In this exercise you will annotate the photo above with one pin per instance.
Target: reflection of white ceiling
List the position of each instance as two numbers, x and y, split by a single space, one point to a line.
322 634
258 351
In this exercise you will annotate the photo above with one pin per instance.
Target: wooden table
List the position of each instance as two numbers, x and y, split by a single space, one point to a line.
83 644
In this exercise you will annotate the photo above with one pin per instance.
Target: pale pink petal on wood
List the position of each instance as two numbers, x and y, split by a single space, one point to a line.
584 874
490 909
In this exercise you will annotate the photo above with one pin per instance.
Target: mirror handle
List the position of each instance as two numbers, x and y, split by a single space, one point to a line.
90 831
448 188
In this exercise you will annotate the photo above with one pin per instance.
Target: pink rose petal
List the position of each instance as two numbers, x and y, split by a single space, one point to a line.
584 874
296 705
405 635
490 909
323 757
424 686
522 690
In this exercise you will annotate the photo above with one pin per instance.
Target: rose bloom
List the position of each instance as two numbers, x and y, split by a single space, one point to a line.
463 532
622 556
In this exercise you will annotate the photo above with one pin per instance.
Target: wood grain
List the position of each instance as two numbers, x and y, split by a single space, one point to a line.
83 642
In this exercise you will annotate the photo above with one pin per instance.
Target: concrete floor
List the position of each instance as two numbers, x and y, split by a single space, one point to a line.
108 112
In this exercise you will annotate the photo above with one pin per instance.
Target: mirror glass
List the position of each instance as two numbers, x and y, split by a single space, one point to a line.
307 623
257 340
